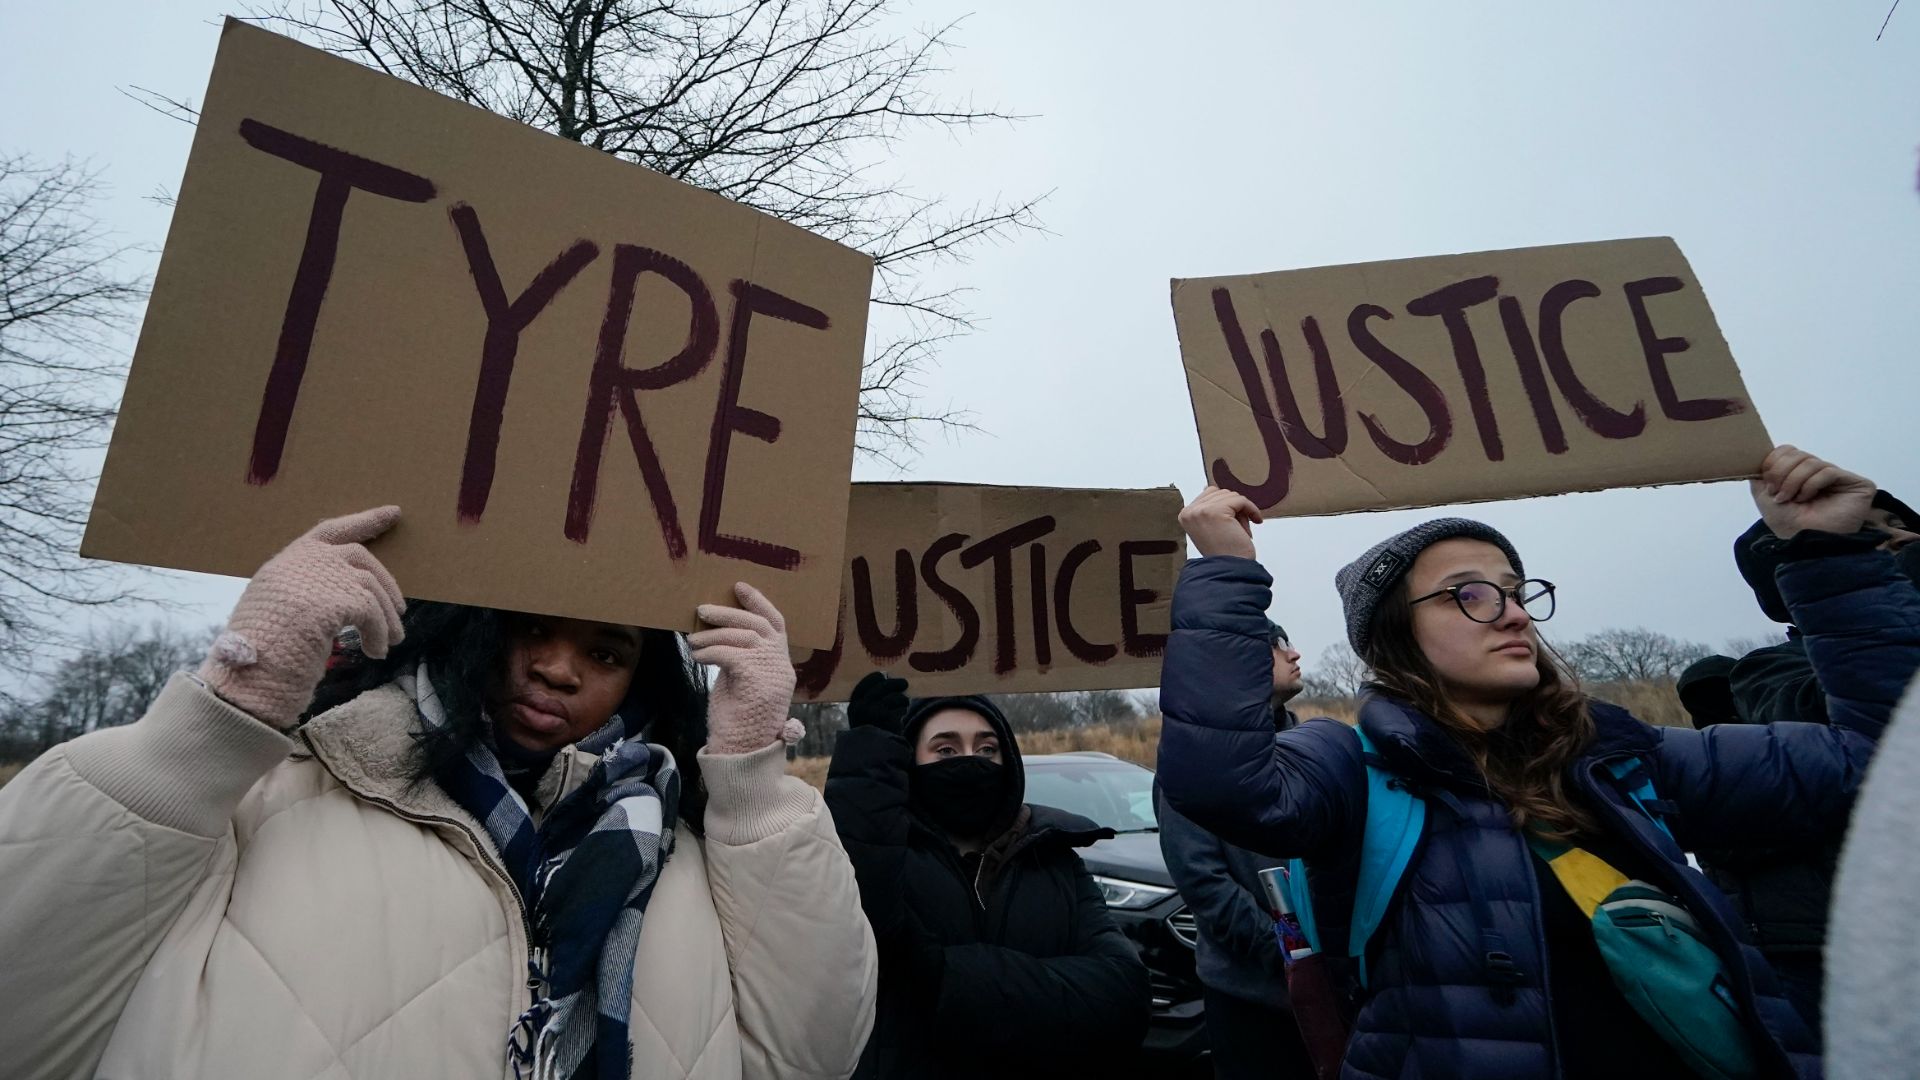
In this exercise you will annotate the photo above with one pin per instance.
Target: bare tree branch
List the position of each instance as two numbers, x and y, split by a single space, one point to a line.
65 304
171 108
788 106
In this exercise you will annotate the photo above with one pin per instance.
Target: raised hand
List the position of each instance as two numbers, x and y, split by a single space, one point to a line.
878 701
274 649
755 685
1220 522
1797 491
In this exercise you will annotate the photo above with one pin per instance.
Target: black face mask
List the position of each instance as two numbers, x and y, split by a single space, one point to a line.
963 795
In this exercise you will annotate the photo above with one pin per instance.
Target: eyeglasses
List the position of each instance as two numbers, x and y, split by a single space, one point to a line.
1485 602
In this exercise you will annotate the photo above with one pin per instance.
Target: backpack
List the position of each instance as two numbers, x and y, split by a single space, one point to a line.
1640 930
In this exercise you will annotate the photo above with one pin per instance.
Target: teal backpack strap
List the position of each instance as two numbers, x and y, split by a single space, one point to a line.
1395 820
1301 898
1632 774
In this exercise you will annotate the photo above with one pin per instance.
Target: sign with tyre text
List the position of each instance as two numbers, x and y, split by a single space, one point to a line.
593 391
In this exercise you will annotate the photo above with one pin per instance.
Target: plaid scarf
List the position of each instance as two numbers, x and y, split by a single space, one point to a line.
585 875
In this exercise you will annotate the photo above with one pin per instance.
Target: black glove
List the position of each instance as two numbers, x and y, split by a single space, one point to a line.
879 700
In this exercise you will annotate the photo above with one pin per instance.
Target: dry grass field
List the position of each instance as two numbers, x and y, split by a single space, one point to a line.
1139 742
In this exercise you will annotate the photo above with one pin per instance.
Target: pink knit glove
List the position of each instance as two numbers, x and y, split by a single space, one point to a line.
275 647
750 697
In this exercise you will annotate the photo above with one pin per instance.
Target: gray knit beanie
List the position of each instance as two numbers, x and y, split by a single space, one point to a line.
1365 580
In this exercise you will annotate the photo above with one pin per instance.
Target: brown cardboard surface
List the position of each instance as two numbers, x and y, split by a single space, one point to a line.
1463 378
450 214
988 617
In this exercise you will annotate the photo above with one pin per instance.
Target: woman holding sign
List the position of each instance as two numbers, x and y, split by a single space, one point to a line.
465 862
1491 861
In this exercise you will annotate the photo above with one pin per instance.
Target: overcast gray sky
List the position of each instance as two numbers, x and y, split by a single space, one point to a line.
1776 141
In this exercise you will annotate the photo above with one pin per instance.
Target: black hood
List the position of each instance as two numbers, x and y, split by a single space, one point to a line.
1706 691
1015 789
1757 562
1885 500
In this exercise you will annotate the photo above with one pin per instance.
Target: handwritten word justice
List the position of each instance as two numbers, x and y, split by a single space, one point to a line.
1282 425
1050 593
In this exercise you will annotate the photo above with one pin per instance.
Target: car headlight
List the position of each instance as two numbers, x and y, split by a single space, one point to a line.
1130 895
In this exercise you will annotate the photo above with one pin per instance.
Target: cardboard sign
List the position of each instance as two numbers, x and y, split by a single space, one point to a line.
1463 378
964 589
592 390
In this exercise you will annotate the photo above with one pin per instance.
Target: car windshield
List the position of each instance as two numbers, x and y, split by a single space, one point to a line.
1116 794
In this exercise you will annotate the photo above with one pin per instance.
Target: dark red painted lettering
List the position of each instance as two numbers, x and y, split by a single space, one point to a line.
1599 417
1424 391
731 416
1333 410
1081 648
614 385
506 319
1657 348
1042 622
1000 548
340 173
956 656
906 608
1279 460
1132 597
1450 304
1520 339
811 676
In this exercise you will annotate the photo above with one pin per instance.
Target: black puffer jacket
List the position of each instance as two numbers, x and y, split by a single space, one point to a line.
1005 964
1782 894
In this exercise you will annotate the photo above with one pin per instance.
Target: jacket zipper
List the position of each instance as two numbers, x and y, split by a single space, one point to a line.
1539 916
1546 958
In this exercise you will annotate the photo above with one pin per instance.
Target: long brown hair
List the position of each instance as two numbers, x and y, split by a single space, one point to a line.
1525 760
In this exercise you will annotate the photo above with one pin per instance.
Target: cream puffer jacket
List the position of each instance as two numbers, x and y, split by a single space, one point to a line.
199 895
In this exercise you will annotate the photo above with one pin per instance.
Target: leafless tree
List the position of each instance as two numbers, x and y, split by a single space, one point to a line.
1741 646
1072 709
1339 674
824 722
1630 656
109 681
789 106
65 302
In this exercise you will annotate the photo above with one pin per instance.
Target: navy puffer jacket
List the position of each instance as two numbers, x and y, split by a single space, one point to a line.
1439 1008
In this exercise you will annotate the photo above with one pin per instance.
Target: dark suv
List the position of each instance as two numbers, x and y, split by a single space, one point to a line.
1132 874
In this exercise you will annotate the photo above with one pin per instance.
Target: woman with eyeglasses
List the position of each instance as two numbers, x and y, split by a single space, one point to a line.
1553 827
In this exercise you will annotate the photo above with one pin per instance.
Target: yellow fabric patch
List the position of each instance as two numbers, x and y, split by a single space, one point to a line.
1587 878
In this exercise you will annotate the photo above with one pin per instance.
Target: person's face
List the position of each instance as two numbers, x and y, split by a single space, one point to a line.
1899 535
1479 663
563 680
1286 670
952 733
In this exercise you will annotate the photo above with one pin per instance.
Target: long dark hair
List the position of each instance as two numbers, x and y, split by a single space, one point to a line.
464 648
1524 760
